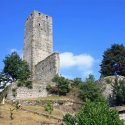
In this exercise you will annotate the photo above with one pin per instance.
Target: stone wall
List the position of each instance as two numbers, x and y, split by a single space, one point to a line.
44 72
38 90
48 68
106 85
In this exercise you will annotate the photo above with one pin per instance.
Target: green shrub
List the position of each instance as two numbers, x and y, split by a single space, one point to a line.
69 119
94 113
77 81
90 90
52 89
48 107
62 84
28 84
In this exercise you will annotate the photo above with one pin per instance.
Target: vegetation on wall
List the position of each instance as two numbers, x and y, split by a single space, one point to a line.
118 91
14 92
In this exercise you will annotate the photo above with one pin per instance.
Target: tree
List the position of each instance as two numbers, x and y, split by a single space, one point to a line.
62 84
15 68
3 80
90 90
11 65
77 81
96 113
90 79
118 91
113 62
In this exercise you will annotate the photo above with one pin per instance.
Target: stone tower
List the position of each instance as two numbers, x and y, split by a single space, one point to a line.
38 39
38 52
38 44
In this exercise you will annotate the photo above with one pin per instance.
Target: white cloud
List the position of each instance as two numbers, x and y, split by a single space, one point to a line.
83 63
68 59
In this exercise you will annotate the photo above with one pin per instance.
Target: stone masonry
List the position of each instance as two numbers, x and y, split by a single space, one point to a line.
46 69
38 45
38 52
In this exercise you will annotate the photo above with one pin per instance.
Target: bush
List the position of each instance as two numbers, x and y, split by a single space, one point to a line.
52 89
90 90
69 119
77 81
94 113
62 84
48 107
27 84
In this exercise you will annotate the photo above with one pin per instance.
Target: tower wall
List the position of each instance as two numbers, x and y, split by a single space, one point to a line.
38 42
28 39
42 37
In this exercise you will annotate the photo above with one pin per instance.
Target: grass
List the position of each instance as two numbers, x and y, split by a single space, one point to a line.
49 98
21 117
57 113
26 118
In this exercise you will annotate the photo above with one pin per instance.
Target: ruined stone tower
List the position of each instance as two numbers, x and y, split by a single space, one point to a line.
38 46
38 52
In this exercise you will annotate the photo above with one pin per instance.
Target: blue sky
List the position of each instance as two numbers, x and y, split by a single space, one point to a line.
83 29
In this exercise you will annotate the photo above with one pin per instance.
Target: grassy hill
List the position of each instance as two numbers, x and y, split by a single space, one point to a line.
35 114
21 117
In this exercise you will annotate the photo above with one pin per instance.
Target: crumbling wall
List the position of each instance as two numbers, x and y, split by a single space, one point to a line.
48 68
38 90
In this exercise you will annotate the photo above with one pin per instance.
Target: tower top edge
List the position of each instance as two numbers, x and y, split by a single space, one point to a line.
37 13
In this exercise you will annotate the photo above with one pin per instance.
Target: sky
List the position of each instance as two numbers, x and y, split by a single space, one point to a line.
82 30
